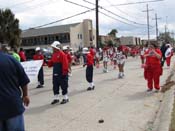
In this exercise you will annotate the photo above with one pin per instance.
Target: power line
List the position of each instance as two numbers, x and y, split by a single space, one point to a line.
117 14
99 11
142 2
61 19
120 9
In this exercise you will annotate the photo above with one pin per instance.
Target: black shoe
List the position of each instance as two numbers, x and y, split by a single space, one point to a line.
89 89
93 87
54 102
40 86
64 101
149 90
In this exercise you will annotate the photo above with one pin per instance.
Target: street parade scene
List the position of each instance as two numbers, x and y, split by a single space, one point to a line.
76 76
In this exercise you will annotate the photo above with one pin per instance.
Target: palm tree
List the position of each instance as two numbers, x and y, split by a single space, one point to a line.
9 28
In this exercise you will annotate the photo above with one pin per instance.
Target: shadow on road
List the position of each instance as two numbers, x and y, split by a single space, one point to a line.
139 95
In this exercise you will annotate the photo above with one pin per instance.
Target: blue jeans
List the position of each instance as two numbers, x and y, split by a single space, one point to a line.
13 124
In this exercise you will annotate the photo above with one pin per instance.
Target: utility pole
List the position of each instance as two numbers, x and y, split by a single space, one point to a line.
157 30
147 10
166 27
97 25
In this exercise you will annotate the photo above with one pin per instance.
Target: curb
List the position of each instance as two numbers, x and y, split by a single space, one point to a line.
163 119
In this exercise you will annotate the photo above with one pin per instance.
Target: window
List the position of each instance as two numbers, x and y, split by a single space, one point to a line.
81 36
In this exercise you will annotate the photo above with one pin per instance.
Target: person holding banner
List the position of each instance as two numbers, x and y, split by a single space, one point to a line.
60 73
39 56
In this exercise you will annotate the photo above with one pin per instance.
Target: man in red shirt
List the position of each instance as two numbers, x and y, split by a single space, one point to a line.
69 57
60 73
89 69
39 56
153 69
22 55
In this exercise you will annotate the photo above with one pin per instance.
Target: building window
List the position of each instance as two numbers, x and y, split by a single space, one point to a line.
81 37
78 36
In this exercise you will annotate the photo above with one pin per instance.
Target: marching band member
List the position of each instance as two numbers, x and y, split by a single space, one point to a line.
39 56
120 56
89 69
60 73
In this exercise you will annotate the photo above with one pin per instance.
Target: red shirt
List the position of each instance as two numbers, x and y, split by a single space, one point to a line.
38 56
90 59
69 57
152 59
60 57
22 56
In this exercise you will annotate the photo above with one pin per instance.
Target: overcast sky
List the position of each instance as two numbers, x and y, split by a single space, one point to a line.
33 13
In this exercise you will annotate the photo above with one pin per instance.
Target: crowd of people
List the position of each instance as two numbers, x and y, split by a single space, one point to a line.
13 78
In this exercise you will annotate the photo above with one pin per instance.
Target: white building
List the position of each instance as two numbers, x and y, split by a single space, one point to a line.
75 35
130 40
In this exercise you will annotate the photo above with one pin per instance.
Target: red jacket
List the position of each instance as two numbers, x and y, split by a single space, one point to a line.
69 58
38 57
59 57
90 59
153 60
22 56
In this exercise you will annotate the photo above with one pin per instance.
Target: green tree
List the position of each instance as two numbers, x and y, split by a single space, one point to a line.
9 28
166 37
113 33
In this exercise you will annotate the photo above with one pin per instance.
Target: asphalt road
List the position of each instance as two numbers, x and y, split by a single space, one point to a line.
120 104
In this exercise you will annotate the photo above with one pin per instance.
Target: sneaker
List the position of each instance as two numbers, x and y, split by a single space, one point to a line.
93 87
156 91
54 102
64 101
40 86
148 90
89 89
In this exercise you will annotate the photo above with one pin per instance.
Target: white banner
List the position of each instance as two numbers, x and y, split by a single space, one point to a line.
32 68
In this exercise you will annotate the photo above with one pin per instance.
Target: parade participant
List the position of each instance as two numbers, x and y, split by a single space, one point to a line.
69 58
97 58
142 52
60 73
89 70
39 56
115 58
111 54
153 68
13 93
168 55
105 59
22 55
120 57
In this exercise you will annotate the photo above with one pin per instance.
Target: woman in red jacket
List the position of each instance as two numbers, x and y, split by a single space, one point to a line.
153 68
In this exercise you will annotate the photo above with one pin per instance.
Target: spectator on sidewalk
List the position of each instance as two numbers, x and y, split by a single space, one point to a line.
153 69
15 55
39 56
22 55
12 78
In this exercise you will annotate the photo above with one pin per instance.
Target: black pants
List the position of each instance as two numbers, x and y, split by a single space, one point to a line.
163 61
60 81
89 73
41 76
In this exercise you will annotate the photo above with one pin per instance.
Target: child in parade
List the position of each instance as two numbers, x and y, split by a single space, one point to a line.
120 57
168 55
105 59
89 69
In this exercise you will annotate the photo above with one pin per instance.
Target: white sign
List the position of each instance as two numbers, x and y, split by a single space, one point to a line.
32 69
